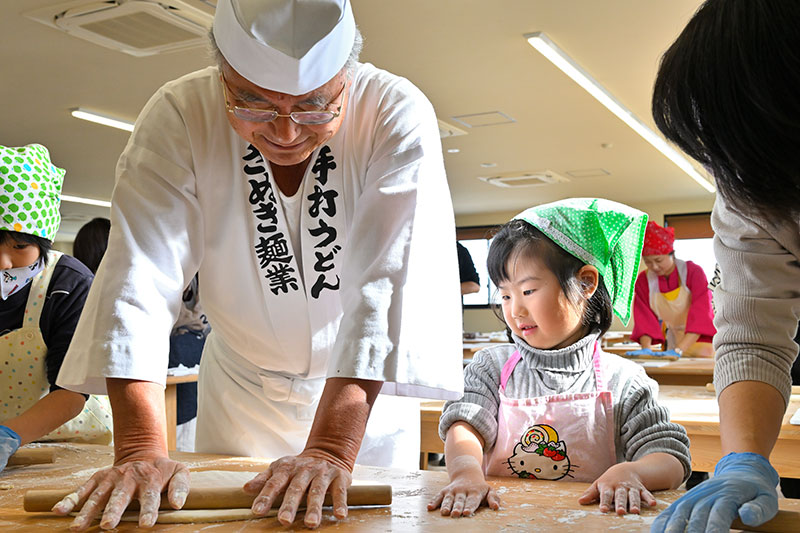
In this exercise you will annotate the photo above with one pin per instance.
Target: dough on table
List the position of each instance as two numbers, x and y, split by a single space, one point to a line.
205 479
194 516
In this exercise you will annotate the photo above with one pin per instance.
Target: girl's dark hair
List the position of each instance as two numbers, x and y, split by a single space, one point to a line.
91 243
44 245
726 94
518 239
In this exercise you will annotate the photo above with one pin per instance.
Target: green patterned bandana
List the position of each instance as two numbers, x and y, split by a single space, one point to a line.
605 234
30 191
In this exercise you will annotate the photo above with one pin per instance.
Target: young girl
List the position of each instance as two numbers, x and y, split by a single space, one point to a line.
553 405
42 293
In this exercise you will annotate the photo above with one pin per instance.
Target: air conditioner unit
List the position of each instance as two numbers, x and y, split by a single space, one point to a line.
136 27
524 179
448 130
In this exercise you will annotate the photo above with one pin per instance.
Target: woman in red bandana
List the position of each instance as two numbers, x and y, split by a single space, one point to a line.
672 301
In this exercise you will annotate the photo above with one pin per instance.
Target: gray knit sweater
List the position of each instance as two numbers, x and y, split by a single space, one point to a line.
758 299
641 425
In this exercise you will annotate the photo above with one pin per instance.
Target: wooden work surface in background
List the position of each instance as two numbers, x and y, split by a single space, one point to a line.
696 409
527 505
693 371
690 371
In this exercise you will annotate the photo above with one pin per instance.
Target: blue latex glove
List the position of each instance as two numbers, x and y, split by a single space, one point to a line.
742 482
9 442
643 351
673 353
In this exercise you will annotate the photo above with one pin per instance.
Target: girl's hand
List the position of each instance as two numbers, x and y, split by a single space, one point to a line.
464 495
620 487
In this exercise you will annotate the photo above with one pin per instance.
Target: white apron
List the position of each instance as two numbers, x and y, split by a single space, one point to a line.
25 372
673 310
248 411
562 436
303 302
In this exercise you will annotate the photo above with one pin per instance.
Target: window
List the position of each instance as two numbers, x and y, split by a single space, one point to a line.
694 239
477 239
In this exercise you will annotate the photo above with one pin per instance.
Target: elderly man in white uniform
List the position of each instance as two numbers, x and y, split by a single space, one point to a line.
309 191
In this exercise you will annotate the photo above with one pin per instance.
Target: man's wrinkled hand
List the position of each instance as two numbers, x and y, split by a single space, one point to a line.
109 491
306 474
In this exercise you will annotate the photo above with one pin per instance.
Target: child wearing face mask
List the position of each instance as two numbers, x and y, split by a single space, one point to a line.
43 292
553 405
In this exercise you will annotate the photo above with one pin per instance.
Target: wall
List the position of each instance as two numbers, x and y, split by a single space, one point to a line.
484 319
63 247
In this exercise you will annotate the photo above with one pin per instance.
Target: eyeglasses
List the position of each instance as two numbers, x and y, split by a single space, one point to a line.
304 118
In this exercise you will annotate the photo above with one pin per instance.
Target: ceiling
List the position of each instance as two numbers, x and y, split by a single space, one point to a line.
468 57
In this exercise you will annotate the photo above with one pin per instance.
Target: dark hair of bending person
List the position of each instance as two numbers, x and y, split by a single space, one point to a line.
726 94
91 242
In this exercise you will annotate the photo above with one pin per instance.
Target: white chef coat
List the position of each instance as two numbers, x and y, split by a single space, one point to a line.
182 204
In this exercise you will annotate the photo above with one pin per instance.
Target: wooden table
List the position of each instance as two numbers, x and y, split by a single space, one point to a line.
171 405
695 408
695 371
690 371
527 505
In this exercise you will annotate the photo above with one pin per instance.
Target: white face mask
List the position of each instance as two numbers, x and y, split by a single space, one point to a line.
15 279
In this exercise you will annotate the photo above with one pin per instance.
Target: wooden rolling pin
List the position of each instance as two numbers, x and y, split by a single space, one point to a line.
795 389
784 522
32 456
217 498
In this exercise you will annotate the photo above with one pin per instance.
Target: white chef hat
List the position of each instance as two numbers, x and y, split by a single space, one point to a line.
288 46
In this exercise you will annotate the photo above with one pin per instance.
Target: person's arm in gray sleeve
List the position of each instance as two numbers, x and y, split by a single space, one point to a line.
645 426
478 407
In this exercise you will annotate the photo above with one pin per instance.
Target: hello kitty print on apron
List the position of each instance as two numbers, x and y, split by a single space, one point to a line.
562 436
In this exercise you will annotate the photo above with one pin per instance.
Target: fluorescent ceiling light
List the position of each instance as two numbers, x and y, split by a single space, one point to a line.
100 118
81 200
559 58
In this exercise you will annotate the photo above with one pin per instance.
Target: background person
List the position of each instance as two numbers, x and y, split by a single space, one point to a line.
673 296
726 95
308 190
186 348
43 293
91 242
470 280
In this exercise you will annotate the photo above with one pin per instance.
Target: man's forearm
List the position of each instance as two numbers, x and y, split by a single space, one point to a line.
750 415
341 419
139 419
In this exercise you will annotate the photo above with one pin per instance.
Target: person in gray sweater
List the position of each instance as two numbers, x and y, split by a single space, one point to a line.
553 405
726 94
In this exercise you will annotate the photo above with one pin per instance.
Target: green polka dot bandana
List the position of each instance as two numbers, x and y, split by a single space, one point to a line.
605 234
30 191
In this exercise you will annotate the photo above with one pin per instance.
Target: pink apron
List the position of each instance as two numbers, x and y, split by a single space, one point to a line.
563 436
